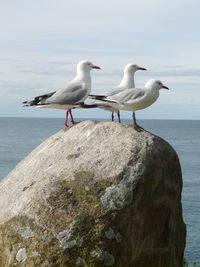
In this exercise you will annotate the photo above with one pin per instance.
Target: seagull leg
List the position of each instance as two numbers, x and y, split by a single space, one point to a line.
135 125
112 116
118 114
66 119
72 119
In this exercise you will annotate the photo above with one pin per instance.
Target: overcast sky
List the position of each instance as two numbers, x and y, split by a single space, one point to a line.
41 42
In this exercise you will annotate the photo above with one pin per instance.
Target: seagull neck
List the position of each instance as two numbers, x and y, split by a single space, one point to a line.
127 81
84 77
152 91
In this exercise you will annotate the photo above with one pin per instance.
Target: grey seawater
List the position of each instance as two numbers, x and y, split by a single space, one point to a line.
19 136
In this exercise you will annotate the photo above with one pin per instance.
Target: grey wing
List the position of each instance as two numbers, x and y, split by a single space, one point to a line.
114 91
139 94
128 95
73 94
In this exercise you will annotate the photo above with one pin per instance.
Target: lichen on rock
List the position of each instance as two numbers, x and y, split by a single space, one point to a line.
110 234
106 258
27 232
65 240
21 255
117 197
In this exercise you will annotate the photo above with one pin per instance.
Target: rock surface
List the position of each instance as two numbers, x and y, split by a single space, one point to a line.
98 194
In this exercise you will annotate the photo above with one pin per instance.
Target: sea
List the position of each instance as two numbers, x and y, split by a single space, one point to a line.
19 136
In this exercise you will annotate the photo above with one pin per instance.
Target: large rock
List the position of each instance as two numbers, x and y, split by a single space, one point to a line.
98 194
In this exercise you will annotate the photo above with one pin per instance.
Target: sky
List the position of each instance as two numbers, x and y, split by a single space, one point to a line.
41 42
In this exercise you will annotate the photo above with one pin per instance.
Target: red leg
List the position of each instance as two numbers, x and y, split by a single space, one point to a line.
72 119
66 119
118 114
135 125
112 116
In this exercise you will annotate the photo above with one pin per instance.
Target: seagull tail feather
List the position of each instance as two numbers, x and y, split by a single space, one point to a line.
97 97
88 106
102 98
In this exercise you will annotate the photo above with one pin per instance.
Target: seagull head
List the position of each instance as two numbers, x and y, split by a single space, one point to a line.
155 84
132 68
86 66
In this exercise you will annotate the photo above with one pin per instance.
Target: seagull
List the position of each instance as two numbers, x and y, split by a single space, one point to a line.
132 99
126 83
69 97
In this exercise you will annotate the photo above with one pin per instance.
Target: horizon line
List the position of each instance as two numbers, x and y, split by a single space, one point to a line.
102 118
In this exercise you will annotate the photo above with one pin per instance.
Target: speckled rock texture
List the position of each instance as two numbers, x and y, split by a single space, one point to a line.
97 194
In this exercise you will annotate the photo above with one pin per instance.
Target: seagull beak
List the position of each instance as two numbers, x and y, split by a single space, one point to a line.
96 67
140 68
165 87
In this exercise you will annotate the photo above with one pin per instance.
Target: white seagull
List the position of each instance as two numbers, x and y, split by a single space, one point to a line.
132 99
69 97
126 83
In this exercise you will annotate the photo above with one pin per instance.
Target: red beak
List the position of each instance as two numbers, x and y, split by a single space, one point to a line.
96 67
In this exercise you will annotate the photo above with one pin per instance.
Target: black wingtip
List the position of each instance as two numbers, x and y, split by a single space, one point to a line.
98 97
88 106
101 98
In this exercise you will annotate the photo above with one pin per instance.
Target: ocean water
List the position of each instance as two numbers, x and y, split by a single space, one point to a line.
19 136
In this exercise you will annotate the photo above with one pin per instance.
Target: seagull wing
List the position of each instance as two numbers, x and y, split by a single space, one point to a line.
127 96
38 99
73 94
